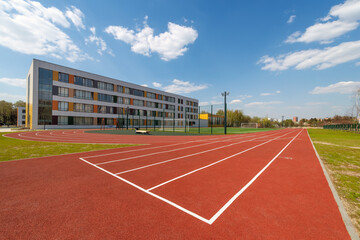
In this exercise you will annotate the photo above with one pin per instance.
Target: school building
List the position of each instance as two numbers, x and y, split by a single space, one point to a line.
63 97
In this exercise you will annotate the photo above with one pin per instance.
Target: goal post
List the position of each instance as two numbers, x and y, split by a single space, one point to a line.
249 125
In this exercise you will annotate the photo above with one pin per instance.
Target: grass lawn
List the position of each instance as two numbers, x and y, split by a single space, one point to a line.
18 149
181 131
340 153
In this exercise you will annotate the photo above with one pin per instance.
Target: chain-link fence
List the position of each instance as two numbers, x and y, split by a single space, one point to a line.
355 127
207 119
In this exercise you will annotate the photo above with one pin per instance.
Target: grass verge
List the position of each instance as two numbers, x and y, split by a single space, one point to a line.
12 149
340 154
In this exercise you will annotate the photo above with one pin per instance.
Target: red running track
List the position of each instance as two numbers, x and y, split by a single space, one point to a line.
267 185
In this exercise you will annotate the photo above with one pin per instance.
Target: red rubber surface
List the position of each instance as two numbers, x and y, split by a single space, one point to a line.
63 197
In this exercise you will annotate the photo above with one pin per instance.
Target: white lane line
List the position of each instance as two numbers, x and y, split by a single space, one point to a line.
150 193
212 164
143 149
190 155
155 153
213 218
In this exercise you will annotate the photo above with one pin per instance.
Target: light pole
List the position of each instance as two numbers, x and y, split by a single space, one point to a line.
127 118
224 94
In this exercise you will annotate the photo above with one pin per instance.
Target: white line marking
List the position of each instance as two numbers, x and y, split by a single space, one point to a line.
190 155
209 165
155 153
152 194
213 218
202 140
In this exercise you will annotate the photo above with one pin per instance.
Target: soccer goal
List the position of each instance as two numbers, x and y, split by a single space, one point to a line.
249 125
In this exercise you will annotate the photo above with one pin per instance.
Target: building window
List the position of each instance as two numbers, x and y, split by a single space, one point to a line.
120 89
88 108
120 100
136 92
63 106
102 109
127 90
63 92
79 81
127 101
83 120
105 97
110 87
106 86
83 95
102 85
138 102
45 97
63 77
88 82
151 95
62 120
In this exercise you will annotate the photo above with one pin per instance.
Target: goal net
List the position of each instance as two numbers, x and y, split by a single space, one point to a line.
249 125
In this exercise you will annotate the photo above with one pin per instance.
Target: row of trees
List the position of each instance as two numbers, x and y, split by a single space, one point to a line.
236 117
8 112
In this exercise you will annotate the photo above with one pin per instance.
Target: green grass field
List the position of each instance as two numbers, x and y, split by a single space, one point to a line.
181 131
18 149
340 152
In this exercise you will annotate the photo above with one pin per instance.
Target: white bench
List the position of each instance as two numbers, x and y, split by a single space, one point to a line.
142 131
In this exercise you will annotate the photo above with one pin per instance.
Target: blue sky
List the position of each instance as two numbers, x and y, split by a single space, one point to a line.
291 58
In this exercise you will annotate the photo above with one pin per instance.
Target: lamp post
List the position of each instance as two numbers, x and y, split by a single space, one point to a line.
224 94
127 118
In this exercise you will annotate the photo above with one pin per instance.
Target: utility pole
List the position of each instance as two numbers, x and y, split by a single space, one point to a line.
224 94
358 105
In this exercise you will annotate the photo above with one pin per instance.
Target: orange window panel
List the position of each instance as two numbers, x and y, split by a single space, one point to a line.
55 105
71 79
95 108
71 92
71 106
131 101
95 96
55 76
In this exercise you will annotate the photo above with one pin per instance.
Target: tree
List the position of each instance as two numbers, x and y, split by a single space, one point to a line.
220 112
19 103
7 113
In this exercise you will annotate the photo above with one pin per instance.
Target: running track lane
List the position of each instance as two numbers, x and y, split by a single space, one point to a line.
62 197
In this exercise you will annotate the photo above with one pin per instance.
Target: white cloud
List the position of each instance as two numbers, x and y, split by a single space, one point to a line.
318 58
169 45
269 94
144 85
291 19
262 104
235 101
156 84
100 43
30 28
11 97
357 64
323 32
203 103
342 18
76 16
340 87
179 87
243 97
16 82
315 103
